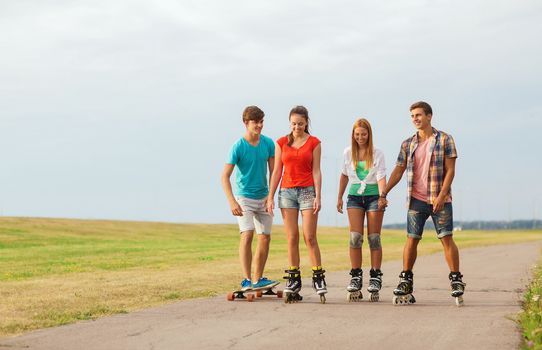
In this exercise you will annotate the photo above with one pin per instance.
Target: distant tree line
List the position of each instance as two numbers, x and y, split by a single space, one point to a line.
483 225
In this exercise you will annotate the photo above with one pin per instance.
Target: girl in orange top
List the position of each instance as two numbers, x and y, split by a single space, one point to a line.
297 163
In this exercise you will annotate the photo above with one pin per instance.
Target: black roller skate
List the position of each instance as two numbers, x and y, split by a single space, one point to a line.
319 284
403 292
458 287
293 286
375 284
354 288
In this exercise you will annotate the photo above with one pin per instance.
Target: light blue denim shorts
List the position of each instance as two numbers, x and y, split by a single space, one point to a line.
297 198
366 203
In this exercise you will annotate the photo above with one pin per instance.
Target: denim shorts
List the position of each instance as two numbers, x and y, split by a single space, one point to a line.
419 212
255 216
367 203
297 198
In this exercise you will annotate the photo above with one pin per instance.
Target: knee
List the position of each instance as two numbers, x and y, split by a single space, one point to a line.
356 240
293 238
448 242
311 241
264 240
374 241
246 242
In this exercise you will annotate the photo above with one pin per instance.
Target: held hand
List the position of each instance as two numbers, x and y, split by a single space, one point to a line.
317 206
340 205
382 203
236 209
438 204
270 205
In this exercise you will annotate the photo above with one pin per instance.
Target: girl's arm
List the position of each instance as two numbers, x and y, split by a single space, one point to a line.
317 176
275 179
343 182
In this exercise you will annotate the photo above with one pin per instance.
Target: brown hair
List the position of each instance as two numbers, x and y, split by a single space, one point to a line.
356 157
252 113
302 111
423 105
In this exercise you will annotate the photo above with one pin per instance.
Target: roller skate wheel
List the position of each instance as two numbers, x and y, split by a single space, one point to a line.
279 294
250 297
403 299
259 294
355 296
375 297
230 296
323 298
459 301
290 298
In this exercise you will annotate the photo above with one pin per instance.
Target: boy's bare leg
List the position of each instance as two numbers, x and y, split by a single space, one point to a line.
245 252
260 258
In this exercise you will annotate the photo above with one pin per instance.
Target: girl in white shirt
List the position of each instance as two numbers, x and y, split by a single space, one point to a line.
364 167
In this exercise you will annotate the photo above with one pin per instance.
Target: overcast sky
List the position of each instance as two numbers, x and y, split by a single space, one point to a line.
126 109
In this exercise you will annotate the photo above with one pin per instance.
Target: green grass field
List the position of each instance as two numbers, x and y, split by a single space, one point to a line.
57 271
530 319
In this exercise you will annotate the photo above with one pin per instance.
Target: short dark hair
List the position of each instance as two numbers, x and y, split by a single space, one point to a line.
253 113
423 105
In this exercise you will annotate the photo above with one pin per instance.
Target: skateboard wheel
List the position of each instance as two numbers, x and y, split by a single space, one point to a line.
230 296
259 294
279 294
250 297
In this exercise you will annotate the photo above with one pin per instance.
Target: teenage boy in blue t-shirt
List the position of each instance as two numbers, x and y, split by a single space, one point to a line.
253 155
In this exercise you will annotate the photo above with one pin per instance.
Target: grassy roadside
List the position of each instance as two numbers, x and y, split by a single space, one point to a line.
56 271
530 319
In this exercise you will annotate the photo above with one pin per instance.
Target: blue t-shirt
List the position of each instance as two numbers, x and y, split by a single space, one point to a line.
251 162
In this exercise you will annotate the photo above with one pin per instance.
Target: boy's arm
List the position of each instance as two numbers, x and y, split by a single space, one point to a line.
449 173
226 186
395 177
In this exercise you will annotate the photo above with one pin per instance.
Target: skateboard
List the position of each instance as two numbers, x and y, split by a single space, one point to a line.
251 294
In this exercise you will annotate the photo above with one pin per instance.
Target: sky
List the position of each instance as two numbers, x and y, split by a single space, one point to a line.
126 109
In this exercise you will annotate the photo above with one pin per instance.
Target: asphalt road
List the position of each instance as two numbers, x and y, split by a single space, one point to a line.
495 277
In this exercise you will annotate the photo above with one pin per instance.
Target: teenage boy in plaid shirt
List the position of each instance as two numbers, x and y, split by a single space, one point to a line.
429 159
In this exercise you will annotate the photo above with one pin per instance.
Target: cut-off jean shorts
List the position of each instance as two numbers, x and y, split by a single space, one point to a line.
297 198
255 216
366 203
419 212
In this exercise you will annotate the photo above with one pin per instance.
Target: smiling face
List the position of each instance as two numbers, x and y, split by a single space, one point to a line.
361 136
420 119
254 127
298 124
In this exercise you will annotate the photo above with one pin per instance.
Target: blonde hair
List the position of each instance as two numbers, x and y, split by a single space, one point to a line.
356 157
